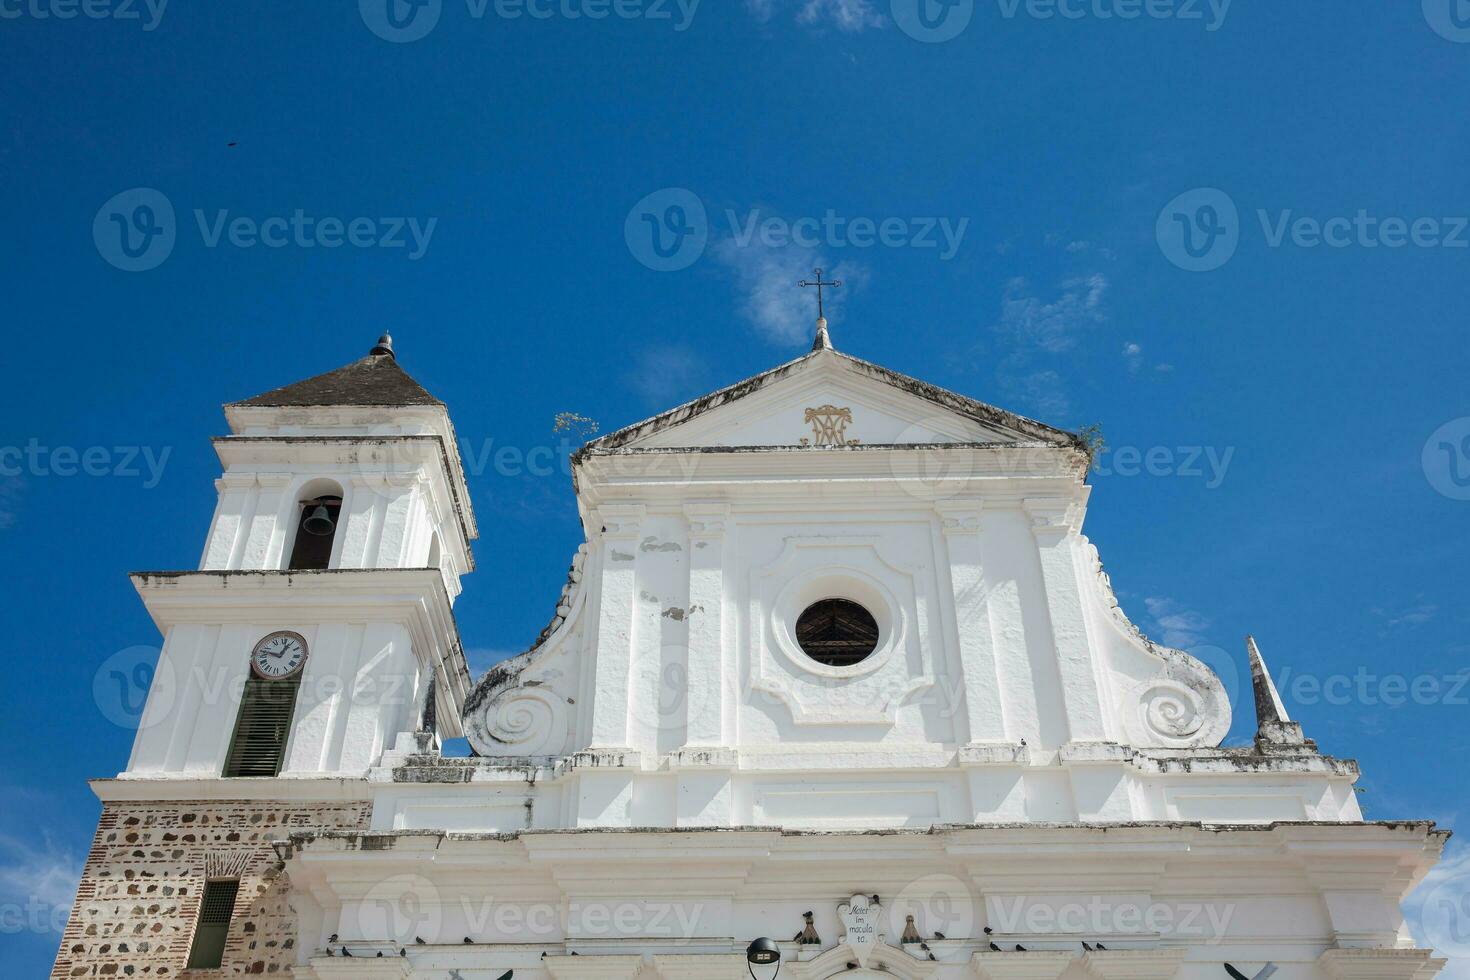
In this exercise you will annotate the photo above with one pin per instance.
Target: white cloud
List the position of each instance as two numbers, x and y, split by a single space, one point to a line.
1032 328
40 879
767 277
1052 326
1175 625
1133 354
846 15
1415 615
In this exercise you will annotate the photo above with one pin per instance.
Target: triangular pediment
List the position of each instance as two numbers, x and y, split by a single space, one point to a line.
830 398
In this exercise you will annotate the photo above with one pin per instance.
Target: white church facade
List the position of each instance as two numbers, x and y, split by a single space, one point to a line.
836 687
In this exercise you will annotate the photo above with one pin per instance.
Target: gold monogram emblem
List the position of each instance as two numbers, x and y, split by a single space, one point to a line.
829 426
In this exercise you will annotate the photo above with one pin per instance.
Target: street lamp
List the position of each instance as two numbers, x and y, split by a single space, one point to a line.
763 951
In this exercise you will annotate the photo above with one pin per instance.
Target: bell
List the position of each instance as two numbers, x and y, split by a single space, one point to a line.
319 522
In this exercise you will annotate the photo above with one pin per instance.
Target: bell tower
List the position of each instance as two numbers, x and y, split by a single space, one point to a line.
313 647
318 627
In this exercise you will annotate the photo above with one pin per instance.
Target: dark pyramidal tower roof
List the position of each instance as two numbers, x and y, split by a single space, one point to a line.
376 380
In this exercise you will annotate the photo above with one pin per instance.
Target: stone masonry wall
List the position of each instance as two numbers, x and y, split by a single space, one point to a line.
144 879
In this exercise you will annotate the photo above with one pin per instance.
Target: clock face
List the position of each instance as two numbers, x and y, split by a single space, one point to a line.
279 655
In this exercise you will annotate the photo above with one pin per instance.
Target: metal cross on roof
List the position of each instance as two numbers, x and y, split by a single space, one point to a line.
821 310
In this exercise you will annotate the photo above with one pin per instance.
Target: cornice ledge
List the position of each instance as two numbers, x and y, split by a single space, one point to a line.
994 754
699 966
1028 965
1134 964
588 967
1380 964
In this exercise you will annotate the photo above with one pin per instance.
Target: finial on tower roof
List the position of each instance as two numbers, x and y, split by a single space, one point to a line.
385 346
823 341
1273 726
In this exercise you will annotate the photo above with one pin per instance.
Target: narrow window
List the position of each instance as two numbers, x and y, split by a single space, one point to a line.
258 747
837 632
316 528
218 904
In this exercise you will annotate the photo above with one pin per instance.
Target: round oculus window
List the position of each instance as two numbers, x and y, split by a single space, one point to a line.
837 632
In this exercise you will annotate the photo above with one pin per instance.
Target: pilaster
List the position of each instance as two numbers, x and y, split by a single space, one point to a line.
960 523
619 526
232 513
1054 523
709 667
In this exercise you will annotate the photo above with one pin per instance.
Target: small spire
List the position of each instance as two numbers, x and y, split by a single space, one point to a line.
823 341
384 346
1273 726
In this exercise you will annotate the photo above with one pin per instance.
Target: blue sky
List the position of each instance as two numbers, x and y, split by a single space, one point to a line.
1233 234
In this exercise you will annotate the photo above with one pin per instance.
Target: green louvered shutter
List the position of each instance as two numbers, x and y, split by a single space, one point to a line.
258 747
208 950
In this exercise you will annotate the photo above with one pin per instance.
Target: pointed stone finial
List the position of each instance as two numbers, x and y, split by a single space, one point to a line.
823 341
384 346
1273 726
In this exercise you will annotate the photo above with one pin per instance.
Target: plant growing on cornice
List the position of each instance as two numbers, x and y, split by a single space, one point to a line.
575 423
1092 438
